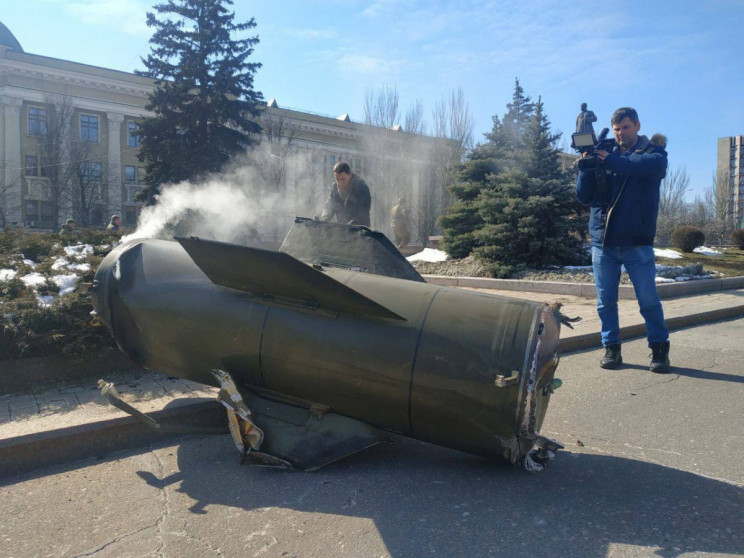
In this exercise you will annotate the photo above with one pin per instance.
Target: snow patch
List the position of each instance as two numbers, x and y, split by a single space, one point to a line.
33 280
7 274
44 301
79 251
428 255
61 263
705 251
66 283
667 253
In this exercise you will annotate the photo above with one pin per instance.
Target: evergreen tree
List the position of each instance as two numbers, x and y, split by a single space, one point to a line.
516 209
204 100
507 134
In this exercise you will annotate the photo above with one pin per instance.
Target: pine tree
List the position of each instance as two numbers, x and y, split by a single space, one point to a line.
204 100
507 134
521 205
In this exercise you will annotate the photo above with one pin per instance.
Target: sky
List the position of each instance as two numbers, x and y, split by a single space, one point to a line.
678 63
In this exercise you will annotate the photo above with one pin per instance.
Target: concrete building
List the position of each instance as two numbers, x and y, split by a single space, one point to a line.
731 165
104 106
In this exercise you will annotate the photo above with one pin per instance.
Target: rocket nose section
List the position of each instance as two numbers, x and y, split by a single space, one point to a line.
99 293
106 296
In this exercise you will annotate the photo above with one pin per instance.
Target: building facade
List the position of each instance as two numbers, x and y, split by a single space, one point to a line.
731 165
96 173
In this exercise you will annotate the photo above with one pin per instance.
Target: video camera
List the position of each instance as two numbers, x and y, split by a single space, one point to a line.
587 142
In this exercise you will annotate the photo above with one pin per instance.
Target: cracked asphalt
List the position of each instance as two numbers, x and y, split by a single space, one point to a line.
652 467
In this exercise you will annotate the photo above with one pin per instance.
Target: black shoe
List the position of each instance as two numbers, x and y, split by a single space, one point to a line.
660 357
612 358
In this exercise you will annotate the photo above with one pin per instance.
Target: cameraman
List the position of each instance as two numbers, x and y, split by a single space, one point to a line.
624 197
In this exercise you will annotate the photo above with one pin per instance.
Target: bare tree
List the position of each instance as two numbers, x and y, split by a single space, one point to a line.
671 202
453 126
86 182
696 213
403 163
381 107
717 198
54 146
426 209
280 138
414 122
384 170
9 199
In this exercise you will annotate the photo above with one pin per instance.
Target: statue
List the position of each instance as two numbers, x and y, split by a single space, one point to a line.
399 223
585 119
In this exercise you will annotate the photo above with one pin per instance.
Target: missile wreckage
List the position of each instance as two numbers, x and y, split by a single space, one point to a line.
323 347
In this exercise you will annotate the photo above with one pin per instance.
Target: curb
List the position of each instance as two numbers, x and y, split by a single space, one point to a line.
594 340
586 290
26 453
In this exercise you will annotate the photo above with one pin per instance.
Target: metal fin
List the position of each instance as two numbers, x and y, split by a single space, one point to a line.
246 435
288 435
277 277
109 391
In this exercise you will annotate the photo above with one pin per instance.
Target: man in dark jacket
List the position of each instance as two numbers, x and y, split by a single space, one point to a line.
349 199
622 225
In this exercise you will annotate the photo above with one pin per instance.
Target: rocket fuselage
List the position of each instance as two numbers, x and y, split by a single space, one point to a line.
462 369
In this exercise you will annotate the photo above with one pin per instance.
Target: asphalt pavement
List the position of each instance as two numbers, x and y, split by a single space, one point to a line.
652 467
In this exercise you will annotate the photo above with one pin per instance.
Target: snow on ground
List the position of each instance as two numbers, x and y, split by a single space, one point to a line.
62 263
675 255
66 283
705 251
79 252
667 253
66 278
428 255
45 301
33 280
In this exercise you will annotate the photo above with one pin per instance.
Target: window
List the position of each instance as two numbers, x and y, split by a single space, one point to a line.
96 214
39 212
91 172
32 165
130 216
89 128
47 210
96 172
32 210
37 121
357 166
130 174
133 139
332 161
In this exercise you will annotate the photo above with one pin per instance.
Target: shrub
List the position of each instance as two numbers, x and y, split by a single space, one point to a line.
687 238
737 237
65 327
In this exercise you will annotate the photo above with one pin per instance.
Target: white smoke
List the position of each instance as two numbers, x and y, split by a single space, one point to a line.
255 201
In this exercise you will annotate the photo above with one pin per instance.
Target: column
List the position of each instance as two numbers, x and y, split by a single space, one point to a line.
114 163
12 187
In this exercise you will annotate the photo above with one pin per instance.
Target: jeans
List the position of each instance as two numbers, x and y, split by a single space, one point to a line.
641 267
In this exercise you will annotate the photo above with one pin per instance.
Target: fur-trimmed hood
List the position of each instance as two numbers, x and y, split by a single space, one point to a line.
646 145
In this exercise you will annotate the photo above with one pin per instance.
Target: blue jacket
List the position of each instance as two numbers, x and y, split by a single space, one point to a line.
635 176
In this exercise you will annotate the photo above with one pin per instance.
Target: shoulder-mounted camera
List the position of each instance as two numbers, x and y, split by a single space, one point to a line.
587 142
